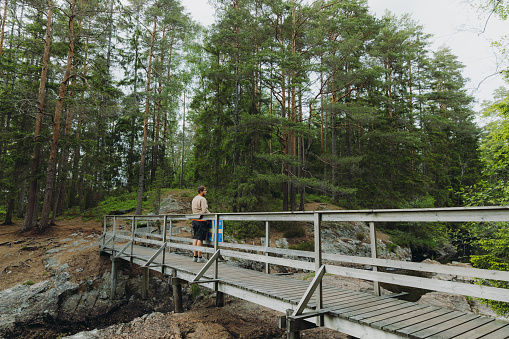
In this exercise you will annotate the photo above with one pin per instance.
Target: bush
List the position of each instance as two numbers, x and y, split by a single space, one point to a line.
294 232
303 246
318 198
244 229
360 236
496 257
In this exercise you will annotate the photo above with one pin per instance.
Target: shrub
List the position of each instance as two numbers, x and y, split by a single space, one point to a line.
303 246
360 236
391 247
294 232
244 229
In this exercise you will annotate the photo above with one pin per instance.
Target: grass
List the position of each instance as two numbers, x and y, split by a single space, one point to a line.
303 246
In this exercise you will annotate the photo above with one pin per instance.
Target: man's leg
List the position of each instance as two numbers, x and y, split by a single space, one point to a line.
195 243
198 243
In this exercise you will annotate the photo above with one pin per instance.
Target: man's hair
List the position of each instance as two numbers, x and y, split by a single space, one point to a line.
201 188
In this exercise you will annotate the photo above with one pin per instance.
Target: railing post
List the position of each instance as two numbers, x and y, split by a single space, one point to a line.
374 254
219 295
133 230
105 229
318 263
165 218
114 232
267 245
171 233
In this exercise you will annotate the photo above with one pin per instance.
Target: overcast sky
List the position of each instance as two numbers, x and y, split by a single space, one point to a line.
453 23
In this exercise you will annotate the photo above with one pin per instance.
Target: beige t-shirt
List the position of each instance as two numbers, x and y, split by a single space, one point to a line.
199 205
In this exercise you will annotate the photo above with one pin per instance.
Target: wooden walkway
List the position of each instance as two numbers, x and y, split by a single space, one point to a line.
360 314
152 242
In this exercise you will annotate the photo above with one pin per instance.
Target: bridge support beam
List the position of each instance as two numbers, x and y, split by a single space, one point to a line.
113 282
176 284
294 326
144 282
219 298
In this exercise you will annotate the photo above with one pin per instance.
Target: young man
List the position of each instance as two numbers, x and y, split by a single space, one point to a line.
200 227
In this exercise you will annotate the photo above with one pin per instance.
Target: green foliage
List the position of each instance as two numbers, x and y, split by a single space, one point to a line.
308 245
319 198
194 291
295 231
391 247
361 236
29 282
245 229
419 237
124 202
496 258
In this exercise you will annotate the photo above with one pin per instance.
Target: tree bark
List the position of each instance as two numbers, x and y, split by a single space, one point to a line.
50 178
10 210
28 223
141 177
21 198
2 31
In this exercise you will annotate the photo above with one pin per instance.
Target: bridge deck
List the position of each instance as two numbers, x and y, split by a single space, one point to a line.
357 313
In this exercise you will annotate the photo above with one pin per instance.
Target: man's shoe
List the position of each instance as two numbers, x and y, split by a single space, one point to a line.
195 259
202 260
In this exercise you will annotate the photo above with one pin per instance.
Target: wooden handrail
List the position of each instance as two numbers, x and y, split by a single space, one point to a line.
461 214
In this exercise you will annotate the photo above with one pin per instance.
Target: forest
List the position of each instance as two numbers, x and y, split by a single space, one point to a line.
279 102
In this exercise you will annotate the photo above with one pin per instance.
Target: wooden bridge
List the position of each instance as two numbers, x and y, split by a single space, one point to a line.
152 243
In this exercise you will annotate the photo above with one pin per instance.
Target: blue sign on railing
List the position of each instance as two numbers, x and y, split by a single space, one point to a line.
212 231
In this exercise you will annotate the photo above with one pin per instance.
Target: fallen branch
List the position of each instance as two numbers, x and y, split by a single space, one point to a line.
5 269
24 262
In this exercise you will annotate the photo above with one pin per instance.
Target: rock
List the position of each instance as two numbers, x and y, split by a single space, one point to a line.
282 243
59 301
169 205
445 300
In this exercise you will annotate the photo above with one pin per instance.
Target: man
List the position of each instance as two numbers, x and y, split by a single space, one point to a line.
200 227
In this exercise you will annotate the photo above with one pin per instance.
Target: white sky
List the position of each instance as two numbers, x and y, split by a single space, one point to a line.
453 23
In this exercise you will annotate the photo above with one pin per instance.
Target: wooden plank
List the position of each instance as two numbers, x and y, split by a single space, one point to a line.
461 327
383 303
343 309
501 333
485 330
395 309
434 325
394 327
395 315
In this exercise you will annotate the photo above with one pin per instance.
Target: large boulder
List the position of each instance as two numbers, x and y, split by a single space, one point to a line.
63 305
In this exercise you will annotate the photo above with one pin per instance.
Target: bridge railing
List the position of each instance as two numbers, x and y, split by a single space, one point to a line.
121 233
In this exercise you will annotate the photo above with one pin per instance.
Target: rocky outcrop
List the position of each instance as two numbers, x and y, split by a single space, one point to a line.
61 305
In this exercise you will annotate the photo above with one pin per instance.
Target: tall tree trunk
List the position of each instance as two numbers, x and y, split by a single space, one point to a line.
50 178
284 134
155 155
29 222
73 201
2 31
141 178
10 210
183 141
21 197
